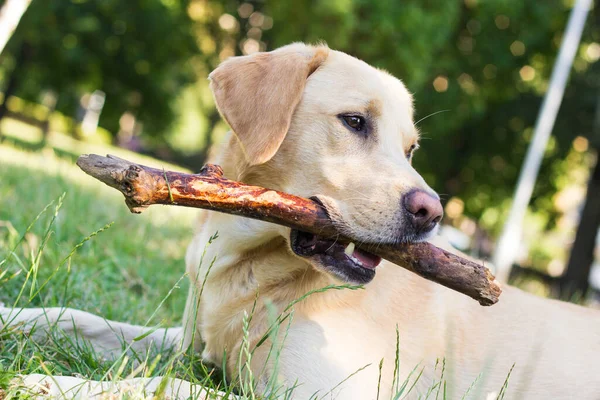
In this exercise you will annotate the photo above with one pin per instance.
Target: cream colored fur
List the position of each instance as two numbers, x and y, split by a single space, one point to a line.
283 107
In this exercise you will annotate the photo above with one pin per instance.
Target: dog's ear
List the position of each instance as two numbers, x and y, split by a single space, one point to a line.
257 95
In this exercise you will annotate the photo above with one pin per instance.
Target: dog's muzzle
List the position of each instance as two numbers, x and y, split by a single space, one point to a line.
344 260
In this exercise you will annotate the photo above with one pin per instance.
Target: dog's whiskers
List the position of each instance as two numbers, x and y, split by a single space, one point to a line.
430 115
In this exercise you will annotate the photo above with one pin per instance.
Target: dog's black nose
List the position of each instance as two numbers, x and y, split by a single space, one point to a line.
424 210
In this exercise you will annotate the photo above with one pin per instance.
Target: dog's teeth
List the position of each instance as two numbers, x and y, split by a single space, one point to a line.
349 249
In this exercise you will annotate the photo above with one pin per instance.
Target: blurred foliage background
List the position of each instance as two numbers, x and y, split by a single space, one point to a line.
478 70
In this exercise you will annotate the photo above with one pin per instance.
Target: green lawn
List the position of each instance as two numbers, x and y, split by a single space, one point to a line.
122 273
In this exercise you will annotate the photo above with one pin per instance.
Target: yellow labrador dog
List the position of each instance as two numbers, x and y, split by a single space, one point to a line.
319 123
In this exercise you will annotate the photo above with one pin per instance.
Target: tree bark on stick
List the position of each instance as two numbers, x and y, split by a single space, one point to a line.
143 186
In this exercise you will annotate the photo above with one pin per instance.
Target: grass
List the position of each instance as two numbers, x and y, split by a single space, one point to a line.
67 240
85 251
135 254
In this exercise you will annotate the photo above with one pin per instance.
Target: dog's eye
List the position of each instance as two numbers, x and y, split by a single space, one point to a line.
410 151
355 122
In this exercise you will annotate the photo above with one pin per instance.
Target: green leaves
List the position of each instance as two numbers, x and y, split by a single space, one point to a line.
135 51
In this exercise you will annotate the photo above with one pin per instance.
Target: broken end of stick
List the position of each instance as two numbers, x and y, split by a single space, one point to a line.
490 294
103 168
137 185
486 289
448 269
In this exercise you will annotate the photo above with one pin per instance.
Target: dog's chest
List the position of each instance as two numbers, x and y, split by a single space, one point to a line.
334 347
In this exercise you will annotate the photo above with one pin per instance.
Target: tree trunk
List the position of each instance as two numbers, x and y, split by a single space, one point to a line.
575 280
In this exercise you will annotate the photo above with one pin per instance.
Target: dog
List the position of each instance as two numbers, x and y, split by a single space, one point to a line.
319 123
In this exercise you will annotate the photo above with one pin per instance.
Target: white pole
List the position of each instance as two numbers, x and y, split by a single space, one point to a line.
510 240
10 15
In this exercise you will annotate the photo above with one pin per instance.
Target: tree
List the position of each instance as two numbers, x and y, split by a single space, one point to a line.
136 51
576 277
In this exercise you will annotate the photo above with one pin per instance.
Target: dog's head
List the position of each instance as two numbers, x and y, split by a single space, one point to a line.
319 123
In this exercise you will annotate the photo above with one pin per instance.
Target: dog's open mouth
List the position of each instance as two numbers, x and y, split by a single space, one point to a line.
346 261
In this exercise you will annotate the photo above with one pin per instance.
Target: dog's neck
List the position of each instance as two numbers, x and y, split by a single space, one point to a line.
247 265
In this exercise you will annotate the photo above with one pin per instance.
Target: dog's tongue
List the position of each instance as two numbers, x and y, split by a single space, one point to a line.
367 260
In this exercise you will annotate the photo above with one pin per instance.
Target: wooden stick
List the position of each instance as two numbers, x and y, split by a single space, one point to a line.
143 186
